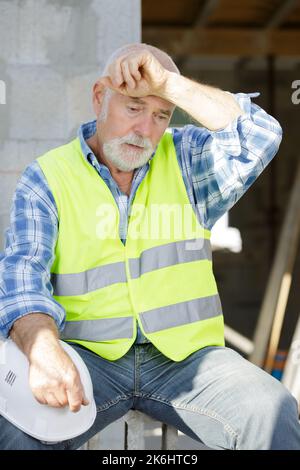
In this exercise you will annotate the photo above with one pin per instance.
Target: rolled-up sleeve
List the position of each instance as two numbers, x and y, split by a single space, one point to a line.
28 254
223 164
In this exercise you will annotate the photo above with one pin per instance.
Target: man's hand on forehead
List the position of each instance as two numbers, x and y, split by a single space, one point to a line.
136 74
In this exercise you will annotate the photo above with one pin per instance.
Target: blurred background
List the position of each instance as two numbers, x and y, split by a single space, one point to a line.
52 51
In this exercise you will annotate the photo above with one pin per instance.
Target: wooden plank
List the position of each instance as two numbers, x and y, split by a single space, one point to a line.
291 373
171 12
278 320
224 41
277 17
281 13
276 295
237 340
205 11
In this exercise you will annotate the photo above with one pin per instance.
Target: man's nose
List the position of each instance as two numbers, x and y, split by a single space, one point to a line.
143 127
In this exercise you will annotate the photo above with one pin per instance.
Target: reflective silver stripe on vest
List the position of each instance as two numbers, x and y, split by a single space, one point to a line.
104 329
181 313
169 255
88 281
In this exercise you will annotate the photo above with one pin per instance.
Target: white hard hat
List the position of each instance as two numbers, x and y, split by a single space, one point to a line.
18 405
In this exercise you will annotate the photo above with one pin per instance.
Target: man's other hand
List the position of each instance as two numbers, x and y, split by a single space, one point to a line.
53 377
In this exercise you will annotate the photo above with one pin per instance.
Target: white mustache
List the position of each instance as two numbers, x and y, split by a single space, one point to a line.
134 139
128 159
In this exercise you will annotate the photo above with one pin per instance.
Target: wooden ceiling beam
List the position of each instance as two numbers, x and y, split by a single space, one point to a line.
224 41
279 15
205 11
275 20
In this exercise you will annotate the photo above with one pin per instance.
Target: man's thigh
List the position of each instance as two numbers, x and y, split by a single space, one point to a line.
113 388
213 396
113 381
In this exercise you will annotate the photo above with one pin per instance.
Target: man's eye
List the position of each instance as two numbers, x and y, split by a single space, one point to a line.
133 109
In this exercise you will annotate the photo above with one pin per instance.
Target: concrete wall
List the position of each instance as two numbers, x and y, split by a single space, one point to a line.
51 52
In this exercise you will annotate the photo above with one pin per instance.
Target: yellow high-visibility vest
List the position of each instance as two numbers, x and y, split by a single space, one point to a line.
161 278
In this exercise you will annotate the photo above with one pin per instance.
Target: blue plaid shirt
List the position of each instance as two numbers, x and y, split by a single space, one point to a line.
217 168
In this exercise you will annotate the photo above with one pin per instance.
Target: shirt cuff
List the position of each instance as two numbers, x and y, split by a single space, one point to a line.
17 306
231 136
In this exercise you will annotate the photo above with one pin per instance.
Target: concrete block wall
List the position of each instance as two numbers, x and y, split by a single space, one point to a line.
51 53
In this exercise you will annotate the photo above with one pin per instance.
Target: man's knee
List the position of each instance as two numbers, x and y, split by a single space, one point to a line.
277 402
270 419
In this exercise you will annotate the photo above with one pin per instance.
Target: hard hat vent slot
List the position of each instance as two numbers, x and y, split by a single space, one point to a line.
10 378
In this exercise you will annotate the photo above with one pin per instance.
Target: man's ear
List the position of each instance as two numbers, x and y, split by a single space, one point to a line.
98 94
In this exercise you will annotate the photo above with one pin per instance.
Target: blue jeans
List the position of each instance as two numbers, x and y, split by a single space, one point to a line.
214 396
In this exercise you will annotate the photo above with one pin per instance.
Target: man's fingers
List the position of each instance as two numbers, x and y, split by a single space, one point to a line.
39 397
61 396
57 384
127 75
136 74
75 396
115 73
85 401
134 70
52 400
48 398
106 82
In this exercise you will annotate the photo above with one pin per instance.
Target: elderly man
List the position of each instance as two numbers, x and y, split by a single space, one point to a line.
141 308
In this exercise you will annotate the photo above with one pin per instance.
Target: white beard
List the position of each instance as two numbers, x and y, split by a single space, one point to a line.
124 157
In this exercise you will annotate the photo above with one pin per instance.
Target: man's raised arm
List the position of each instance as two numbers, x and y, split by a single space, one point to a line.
140 74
